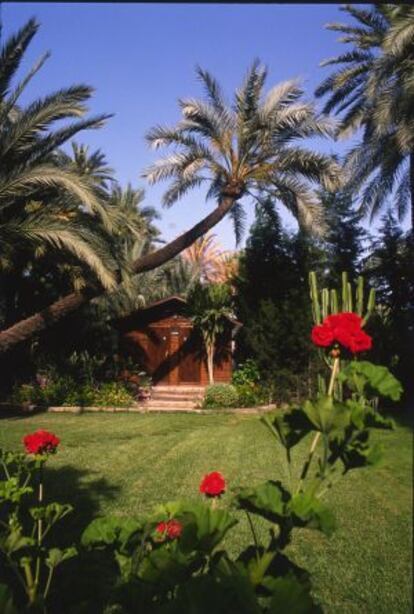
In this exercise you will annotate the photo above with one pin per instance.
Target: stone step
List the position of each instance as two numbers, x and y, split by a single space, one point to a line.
180 389
176 396
172 404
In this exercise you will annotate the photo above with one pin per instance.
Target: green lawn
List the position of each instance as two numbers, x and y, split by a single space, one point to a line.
127 463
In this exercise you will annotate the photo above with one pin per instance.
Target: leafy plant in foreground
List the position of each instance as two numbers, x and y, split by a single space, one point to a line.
25 525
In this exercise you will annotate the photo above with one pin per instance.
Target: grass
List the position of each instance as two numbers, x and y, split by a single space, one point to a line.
125 464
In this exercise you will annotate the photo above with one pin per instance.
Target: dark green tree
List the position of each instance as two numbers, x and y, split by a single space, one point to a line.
344 238
389 269
273 302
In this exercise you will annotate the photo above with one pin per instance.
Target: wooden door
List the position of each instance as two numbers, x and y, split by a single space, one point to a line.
158 351
190 364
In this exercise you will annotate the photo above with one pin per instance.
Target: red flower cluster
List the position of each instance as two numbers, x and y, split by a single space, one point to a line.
345 329
172 529
41 442
213 484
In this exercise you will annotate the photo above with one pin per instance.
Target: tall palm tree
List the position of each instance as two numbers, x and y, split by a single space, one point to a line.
373 89
36 189
249 149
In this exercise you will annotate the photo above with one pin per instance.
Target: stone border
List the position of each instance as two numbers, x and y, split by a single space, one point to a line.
143 410
28 410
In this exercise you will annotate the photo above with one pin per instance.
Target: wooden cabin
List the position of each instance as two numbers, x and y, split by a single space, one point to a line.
163 342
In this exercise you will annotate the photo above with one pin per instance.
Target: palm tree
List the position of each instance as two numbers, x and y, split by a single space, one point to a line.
204 254
245 150
43 203
373 89
210 309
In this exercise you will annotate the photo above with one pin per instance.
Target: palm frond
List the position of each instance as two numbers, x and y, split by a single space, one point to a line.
12 53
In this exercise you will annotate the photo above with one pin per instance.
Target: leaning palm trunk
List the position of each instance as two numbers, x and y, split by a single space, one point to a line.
210 361
25 329
412 192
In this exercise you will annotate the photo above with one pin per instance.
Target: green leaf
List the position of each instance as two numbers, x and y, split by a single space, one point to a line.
56 556
357 452
307 511
15 541
289 428
204 527
51 513
364 374
110 530
166 566
326 414
257 568
291 596
268 500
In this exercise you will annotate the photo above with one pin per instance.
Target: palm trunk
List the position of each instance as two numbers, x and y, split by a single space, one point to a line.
210 363
412 192
25 329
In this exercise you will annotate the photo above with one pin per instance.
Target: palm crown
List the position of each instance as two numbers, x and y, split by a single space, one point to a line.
46 201
374 90
249 148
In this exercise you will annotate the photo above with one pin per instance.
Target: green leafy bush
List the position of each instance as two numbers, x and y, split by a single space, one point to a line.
65 391
250 395
112 393
247 373
221 395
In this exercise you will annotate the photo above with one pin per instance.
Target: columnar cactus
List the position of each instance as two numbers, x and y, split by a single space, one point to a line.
326 302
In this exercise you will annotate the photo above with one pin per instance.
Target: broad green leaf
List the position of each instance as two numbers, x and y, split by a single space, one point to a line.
378 378
109 530
166 566
290 596
326 414
307 511
288 428
268 500
15 541
257 568
203 527
56 556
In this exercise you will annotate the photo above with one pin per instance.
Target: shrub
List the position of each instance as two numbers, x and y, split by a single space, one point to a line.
26 394
247 373
65 391
250 395
221 395
112 393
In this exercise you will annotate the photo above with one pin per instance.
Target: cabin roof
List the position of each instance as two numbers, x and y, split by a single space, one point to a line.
156 305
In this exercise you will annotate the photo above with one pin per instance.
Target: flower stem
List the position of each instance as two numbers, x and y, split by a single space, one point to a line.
335 369
39 527
252 529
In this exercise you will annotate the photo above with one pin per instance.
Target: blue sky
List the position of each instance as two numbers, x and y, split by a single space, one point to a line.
140 58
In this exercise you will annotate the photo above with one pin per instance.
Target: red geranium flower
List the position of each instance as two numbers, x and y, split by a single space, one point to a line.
346 320
322 336
172 529
41 442
213 484
344 328
360 342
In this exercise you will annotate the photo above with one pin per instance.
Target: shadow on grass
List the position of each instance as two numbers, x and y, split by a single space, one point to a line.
81 579
403 416
69 484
